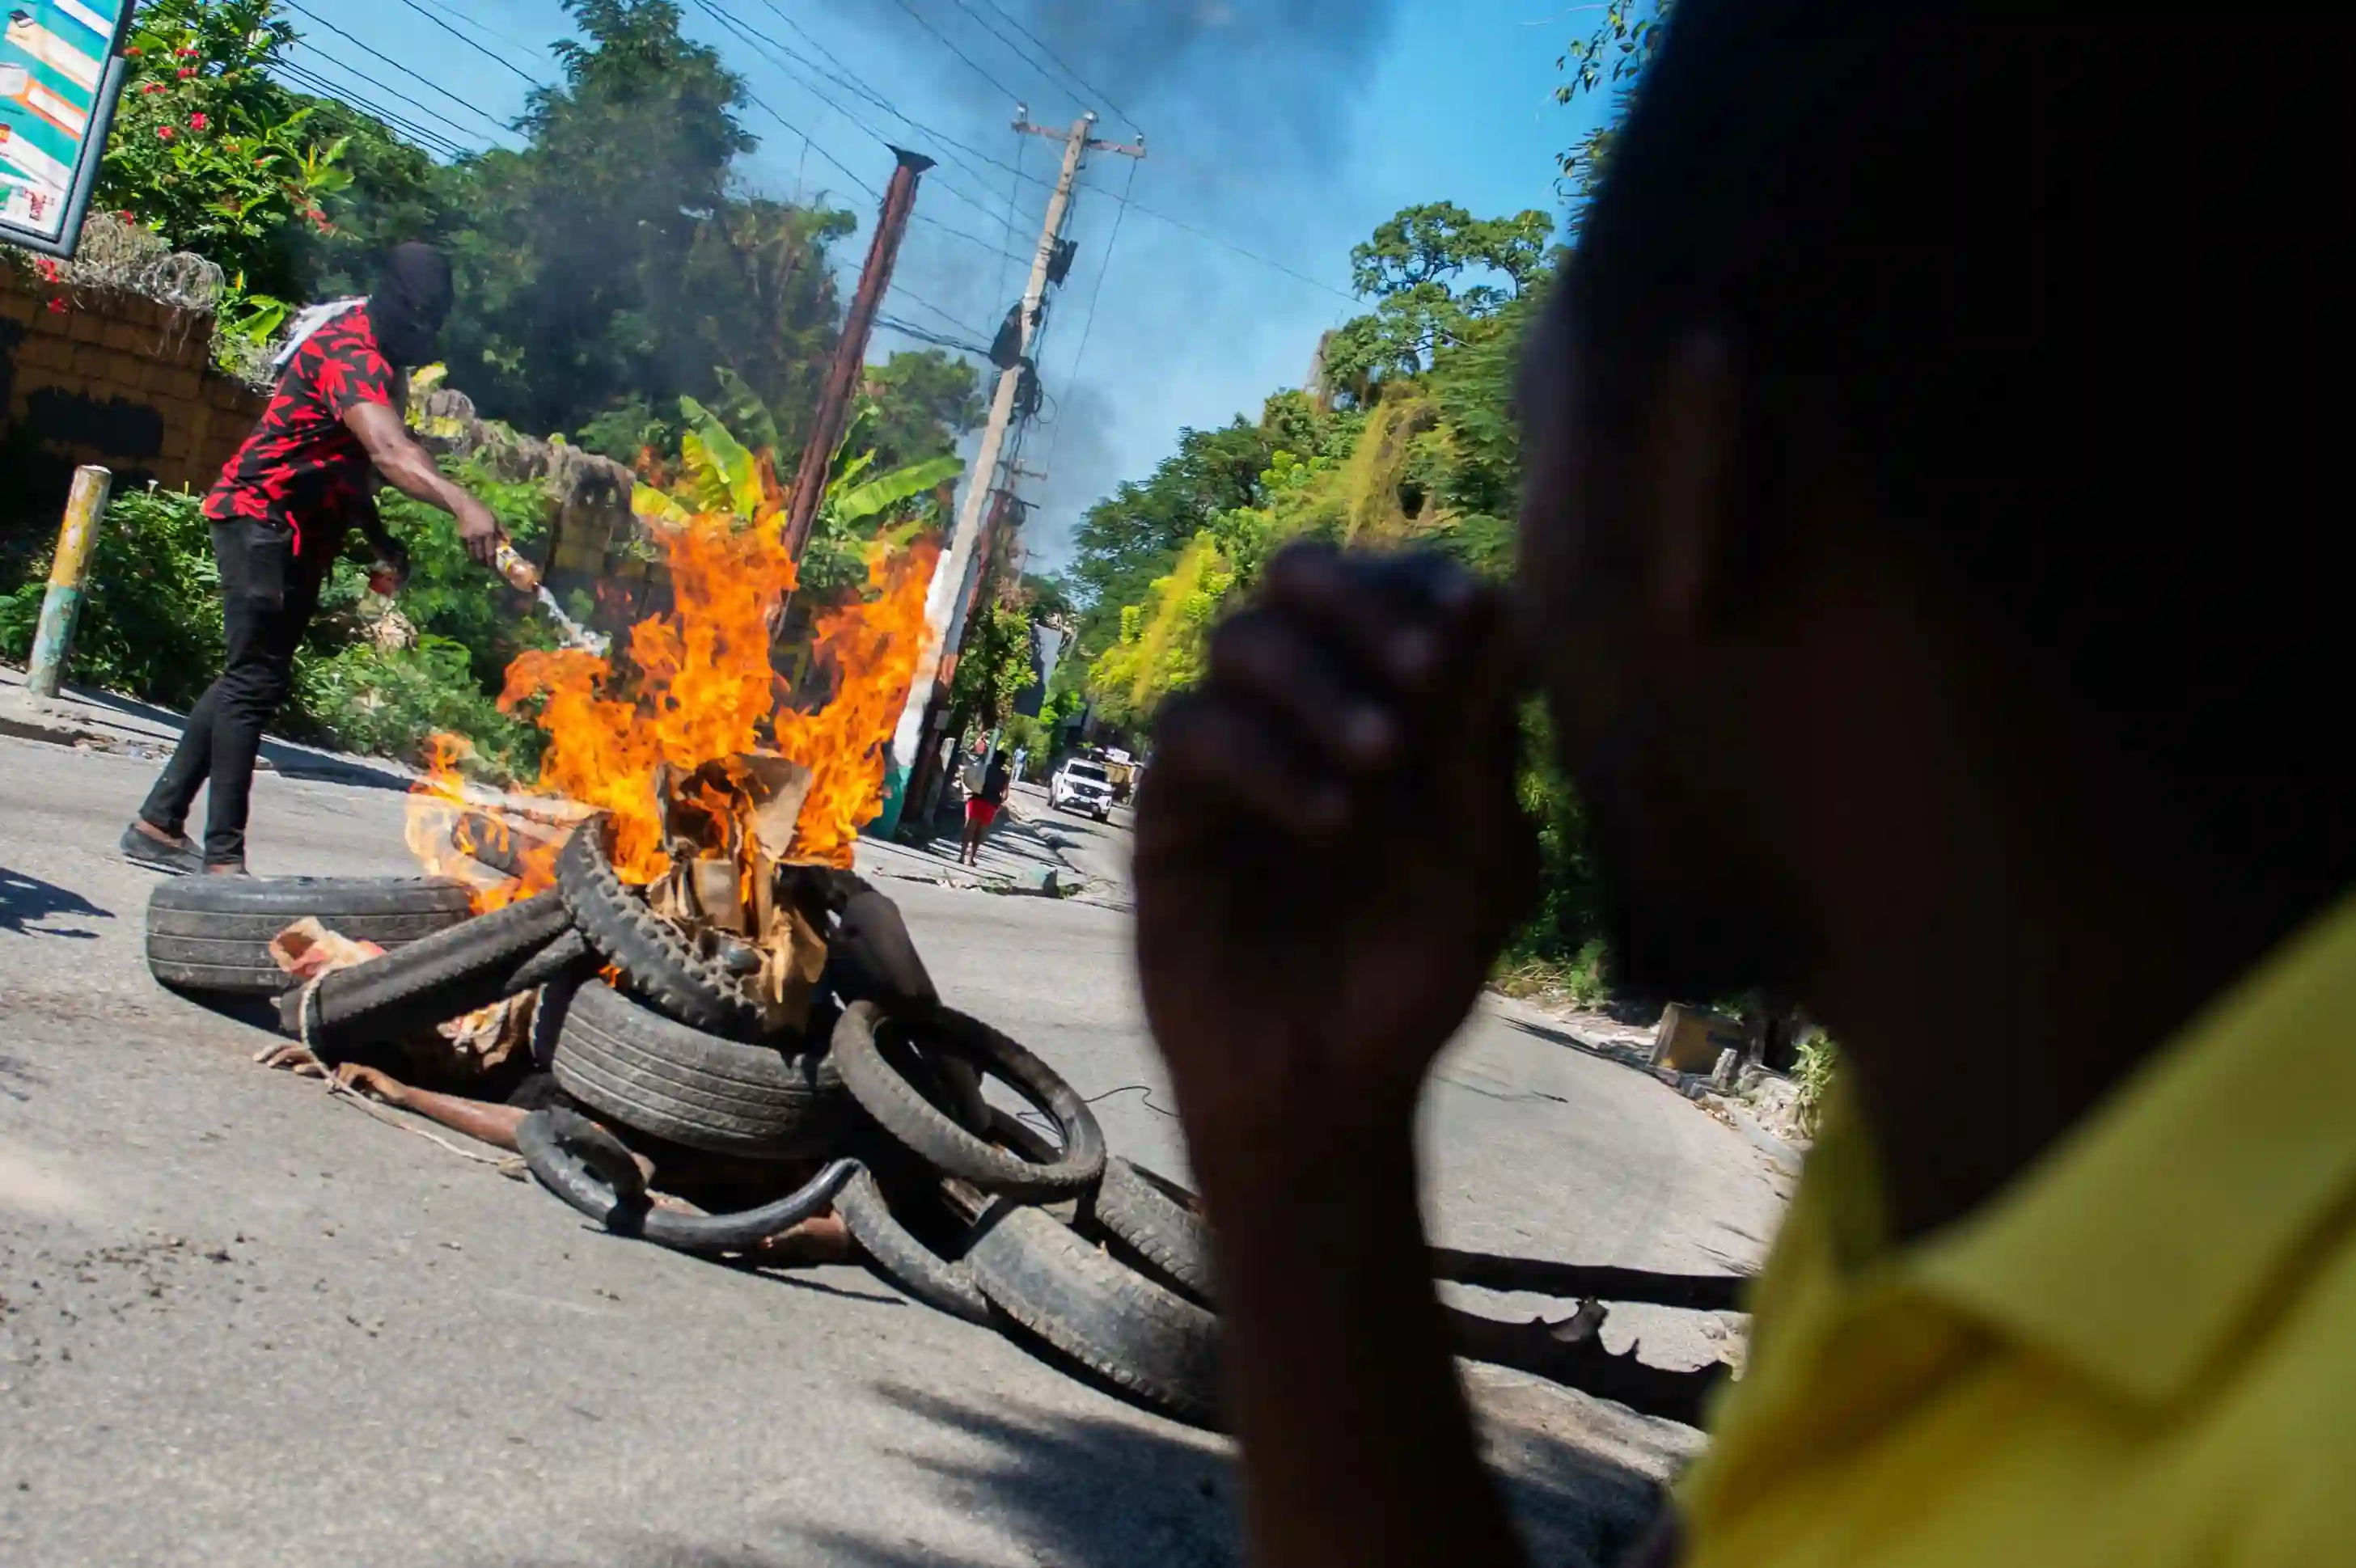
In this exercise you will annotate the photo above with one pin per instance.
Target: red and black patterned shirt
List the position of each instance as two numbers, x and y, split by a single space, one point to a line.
303 468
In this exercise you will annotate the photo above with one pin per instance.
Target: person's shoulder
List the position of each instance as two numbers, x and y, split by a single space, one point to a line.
352 333
2281 1418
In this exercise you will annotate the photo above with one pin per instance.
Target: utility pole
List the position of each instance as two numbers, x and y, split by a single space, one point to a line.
924 782
850 350
945 601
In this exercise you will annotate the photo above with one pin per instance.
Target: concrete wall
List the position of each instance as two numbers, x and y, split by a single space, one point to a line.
116 379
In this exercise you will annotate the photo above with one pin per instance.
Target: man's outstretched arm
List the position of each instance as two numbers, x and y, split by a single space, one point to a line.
1329 856
410 469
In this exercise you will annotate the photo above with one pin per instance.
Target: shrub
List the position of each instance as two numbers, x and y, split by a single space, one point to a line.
388 702
1820 1060
151 627
151 621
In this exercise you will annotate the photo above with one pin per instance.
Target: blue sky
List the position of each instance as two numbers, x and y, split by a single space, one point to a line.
1286 128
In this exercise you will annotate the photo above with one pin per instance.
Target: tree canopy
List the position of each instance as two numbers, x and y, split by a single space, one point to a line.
1435 273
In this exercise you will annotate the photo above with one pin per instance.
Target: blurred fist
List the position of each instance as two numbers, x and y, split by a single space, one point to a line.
1329 850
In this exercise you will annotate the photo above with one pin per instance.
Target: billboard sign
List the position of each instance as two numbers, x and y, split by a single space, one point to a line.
61 71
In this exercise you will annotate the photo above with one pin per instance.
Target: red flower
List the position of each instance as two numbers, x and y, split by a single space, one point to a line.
47 267
134 51
185 72
165 133
58 307
155 87
186 54
198 122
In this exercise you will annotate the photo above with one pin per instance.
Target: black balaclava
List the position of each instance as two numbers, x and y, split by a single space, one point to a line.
410 301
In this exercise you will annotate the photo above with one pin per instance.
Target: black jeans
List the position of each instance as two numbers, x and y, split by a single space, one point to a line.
267 600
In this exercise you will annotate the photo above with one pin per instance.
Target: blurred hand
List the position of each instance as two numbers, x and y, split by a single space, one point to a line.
478 530
394 557
1329 851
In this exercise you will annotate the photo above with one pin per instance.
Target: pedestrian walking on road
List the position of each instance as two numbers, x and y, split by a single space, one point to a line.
280 512
981 809
1920 556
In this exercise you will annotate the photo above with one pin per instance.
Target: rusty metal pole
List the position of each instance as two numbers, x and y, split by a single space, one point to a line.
61 605
851 351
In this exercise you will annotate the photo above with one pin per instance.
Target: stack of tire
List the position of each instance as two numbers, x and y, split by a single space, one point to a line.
980 1214
968 1208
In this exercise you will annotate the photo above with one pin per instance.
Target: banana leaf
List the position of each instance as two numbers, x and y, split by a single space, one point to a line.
888 490
746 413
725 476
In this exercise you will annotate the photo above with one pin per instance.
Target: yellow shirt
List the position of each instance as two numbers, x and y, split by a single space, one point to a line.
2143 1351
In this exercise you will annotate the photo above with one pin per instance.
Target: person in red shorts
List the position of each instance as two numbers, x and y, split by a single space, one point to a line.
981 809
280 512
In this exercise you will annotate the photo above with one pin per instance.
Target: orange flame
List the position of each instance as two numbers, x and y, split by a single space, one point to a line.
702 687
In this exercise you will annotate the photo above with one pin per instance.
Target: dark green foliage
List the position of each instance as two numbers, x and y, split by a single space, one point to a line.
993 667
151 621
1134 535
151 627
608 267
390 701
924 401
1437 274
1050 595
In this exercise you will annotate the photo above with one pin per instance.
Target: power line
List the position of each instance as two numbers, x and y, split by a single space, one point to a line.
1093 93
1231 245
320 87
969 239
900 291
387 89
492 55
426 136
763 43
446 8
1088 322
850 82
924 334
1017 50
1012 96
379 54
1013 192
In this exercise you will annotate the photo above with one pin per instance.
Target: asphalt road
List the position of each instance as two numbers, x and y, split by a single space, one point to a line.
243 1323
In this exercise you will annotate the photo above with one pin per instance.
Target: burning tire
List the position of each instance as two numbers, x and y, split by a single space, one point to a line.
720 1095
663 966
1159 1223
880 1066
1149 1343
443 977
213 934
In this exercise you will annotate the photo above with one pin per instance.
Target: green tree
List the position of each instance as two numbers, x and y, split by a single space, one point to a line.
993 667
1134 535
1612 56
924 401
209 151
1434 271
1050 597
607 267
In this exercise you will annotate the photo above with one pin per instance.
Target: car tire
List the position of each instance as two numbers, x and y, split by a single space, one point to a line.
212 934
911 1233
1148 1343
1158 1225
725 1097
865 1043
662 964
435 978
